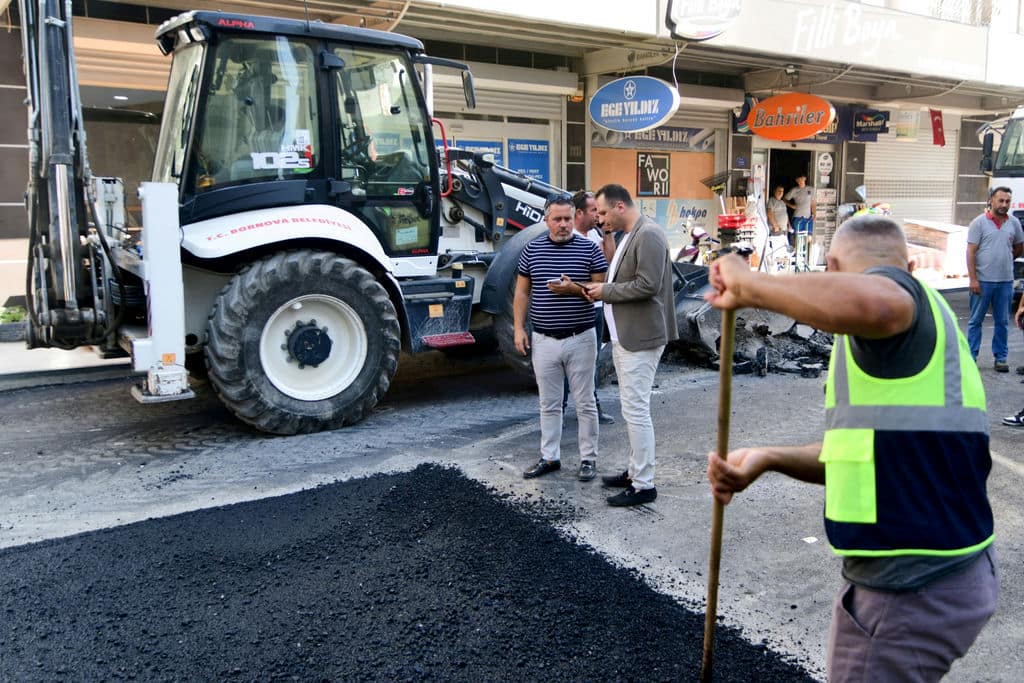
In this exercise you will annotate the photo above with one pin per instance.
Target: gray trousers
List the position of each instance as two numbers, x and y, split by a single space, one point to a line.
553 361
913 636
635 370
599 329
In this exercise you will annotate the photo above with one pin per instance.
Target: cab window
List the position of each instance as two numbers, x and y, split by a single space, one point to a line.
260 122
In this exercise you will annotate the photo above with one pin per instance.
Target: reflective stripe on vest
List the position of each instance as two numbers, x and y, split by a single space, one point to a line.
951 416
945 398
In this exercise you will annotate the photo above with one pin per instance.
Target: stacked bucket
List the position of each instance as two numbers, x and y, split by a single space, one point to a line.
735 227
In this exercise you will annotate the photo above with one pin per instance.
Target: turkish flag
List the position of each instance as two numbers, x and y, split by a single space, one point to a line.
938 135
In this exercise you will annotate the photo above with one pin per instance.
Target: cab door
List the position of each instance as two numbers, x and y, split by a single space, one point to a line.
384 162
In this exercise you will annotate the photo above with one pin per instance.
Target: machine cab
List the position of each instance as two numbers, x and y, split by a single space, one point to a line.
264 112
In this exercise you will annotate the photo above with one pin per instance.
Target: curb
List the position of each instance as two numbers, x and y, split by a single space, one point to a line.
49 378
12 332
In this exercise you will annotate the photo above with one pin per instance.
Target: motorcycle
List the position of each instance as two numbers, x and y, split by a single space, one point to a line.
697 251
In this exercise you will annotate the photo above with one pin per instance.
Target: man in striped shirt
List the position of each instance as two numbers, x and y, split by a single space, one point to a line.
552 271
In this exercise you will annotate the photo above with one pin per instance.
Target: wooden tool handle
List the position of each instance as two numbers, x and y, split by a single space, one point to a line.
725 351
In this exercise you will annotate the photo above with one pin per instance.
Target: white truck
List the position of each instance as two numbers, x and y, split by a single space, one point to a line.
1006 169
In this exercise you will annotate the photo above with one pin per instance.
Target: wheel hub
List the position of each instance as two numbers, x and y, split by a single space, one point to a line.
307 344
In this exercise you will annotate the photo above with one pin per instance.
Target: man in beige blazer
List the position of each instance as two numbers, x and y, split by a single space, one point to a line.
640 316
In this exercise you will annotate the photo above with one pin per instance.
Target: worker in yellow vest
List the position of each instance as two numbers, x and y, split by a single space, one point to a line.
904 459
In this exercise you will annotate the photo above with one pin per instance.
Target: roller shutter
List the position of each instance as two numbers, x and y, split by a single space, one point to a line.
917 177
699 118
449 99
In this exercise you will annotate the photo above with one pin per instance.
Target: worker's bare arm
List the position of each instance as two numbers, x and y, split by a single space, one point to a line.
871 306
743 466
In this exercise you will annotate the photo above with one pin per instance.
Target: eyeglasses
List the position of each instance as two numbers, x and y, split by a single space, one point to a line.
556 199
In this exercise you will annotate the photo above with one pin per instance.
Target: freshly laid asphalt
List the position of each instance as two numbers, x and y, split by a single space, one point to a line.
414 576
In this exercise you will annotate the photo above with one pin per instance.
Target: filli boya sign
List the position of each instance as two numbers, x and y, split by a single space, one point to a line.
634 104
793 116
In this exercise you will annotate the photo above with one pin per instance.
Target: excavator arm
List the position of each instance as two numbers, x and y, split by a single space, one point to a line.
63 275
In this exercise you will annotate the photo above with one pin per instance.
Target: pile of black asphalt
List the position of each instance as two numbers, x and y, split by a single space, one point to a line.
413 576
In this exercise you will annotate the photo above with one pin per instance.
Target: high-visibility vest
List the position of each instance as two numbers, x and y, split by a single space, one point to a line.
906 459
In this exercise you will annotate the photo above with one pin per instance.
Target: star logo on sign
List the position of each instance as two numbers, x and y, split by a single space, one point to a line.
629 91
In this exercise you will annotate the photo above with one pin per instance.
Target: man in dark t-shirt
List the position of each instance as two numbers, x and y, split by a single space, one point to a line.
552 271
904 458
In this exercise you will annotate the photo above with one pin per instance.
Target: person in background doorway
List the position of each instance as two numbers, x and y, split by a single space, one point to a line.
586 225
904 459
552 270
994 239
778 216
778 222
641 317
801 200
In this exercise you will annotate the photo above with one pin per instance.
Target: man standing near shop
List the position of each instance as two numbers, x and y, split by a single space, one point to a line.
801 200
552 270
994 239
904 459
639 311
585 224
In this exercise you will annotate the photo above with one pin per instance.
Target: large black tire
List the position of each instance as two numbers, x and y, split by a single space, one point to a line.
504 331
339 311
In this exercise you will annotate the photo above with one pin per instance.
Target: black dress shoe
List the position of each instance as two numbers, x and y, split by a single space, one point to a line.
617 481
588 470
604 418
542 467
633 497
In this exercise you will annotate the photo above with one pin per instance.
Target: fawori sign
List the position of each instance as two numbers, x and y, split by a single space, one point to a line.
652 174
792 116
701 19
633 104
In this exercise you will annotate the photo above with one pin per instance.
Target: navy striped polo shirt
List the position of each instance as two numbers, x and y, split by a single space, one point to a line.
543 260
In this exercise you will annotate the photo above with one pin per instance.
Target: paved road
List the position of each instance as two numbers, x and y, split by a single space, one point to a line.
109 461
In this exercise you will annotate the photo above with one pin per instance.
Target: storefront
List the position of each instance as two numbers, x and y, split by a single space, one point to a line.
519 116
765 157
905 169
668 169
900 167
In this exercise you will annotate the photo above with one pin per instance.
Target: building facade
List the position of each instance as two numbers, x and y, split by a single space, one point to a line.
536 65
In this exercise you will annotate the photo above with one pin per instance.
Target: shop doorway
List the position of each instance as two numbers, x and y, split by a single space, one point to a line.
784 165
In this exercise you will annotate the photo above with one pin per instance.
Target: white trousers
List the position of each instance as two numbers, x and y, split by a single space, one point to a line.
635 370
553 361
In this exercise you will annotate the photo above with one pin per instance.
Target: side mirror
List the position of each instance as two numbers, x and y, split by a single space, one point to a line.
467 89
986 153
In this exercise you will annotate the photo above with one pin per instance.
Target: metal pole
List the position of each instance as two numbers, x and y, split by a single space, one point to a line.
725 351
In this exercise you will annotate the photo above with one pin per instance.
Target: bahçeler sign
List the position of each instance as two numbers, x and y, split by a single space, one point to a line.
634 104
792 116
